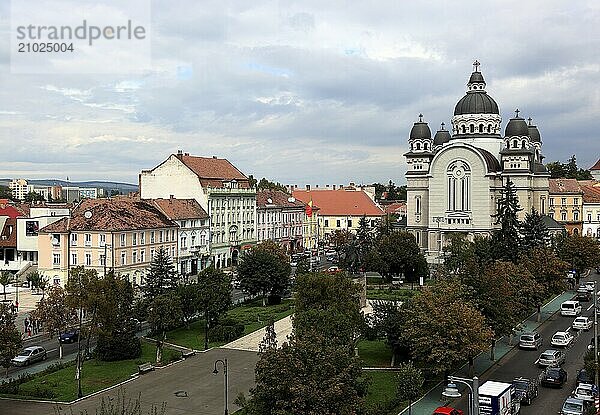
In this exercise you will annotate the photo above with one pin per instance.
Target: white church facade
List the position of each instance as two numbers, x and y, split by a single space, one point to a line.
454 179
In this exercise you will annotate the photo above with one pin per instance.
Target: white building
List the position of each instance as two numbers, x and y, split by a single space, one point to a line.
220 188
28 228
19 188
194 233
280 218
455 179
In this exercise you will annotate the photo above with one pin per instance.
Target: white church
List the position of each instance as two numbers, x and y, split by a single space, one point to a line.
455 178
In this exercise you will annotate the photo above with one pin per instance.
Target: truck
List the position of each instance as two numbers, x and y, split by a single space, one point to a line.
498 398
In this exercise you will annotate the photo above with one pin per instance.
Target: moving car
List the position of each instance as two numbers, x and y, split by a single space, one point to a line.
590 286
531 340
573 406
70 336
570 308
562 339
586 392
551 357
554 376
582 323
582 294
29 355
526 389
446 410
333 270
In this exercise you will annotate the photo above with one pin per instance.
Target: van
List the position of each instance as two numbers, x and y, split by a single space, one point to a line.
570 308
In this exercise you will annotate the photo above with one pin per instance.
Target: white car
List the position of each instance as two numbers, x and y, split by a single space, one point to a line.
590 286
582 323
561 339
585 392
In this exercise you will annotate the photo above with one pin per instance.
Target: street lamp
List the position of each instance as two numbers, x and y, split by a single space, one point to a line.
451 391
216 371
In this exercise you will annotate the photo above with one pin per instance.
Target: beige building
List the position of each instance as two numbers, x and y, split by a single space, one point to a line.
591 209
106 234
280 218
566 204
19 188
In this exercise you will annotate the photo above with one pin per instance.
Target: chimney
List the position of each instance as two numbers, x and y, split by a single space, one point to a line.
341 186
214 157
352 184
327 186
334 187
308 187
179 154
187 154
316 186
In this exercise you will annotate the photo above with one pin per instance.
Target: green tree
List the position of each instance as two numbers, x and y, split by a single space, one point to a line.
341 239
55 313
214 297
388 321
189 296
568 170
34 279
505 241
410 382
398 254
162 276
534 233
6 278
269 341
459 256
547 269
264 270
580 252
164 314
34 197
10 338
5 193
443 328
265 184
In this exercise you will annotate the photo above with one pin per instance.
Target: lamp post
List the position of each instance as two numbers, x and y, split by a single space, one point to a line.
451 391
224 363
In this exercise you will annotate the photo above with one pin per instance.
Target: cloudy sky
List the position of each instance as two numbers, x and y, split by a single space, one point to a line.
306 91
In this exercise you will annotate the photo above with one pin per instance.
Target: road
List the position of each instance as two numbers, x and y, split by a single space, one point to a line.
522 363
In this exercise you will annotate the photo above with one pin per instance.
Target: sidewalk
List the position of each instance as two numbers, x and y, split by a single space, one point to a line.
432 399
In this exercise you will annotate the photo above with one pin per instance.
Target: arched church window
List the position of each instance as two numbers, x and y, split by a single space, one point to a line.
515 144
523 144
418 146
472 128
480 128
425 146
459 186
464 129
489 128
418 205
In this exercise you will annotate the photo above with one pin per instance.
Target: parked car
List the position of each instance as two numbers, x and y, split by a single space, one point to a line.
570 308
447 410
582 323
586 392
582 295
70 336
554 376
526 389
583 377
590 286
573 406
29 355
562 339
551 357
531 340
333 270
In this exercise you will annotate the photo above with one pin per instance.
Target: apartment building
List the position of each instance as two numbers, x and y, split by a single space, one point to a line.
566 204
280 217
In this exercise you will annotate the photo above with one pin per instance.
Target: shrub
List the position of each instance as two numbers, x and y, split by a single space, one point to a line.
119 346
225 333
274 300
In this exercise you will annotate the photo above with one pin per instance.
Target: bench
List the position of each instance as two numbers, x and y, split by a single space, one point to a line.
145 367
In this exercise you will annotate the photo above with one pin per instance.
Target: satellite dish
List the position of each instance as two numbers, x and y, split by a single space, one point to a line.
88 214
291 199
54 241
269 200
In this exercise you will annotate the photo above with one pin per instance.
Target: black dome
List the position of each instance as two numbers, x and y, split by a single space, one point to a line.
420 130
476 77
441 137
516 127
476 102
534 134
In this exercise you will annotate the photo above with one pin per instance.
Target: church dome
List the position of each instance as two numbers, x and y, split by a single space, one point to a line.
534 133
476 77
420 130
441 136
516 127
476 102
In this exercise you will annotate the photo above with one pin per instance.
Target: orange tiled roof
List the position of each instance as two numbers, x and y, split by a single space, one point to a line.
596 166
110 215
8 233
12 211
177 209
340 202
213 171
564 186
278 199
396 207
591 194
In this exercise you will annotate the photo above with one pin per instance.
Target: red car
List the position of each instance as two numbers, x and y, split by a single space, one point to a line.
446 410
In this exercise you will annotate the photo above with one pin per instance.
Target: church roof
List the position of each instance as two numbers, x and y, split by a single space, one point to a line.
492 162
596 166
551 224
476 102
516 127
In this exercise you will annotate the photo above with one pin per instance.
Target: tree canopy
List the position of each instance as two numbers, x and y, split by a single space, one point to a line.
568 170
10 338
162 276
506 240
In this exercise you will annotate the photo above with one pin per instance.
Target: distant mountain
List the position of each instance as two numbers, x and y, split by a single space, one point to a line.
121 187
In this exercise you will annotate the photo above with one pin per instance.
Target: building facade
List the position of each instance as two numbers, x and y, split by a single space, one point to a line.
120 235
280 218
566 204
194 233
454 179
19 188
220 188
591 210
28 228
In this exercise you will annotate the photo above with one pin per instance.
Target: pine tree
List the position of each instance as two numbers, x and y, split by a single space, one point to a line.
162 275
534 233
505 241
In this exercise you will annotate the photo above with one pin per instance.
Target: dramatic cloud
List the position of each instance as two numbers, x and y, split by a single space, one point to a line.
306 92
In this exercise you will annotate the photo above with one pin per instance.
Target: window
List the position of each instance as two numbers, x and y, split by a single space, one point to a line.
459 186
55 239
576 201
338 223
55 259
74 258
32 227
122 239
418 146
589 217
173 235
326 223
543 205
102 260
563 200
123 258
102 239
471 128
143 255
152 237
425 146
151 254
551 201
480 128
73 239
88 259
418 205
575 216
183 242
349 223
134 257
167 236
142 238
161 237
193 242
134 239
563 216
88 239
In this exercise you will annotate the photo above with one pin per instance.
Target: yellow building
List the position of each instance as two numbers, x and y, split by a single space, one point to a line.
566 204
106 234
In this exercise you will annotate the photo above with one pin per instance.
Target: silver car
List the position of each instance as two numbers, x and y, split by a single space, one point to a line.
531 340
551 357
29 355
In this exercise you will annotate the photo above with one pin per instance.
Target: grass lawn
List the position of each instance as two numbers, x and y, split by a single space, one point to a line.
96 375
374 353
390 294
382 388
253 315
